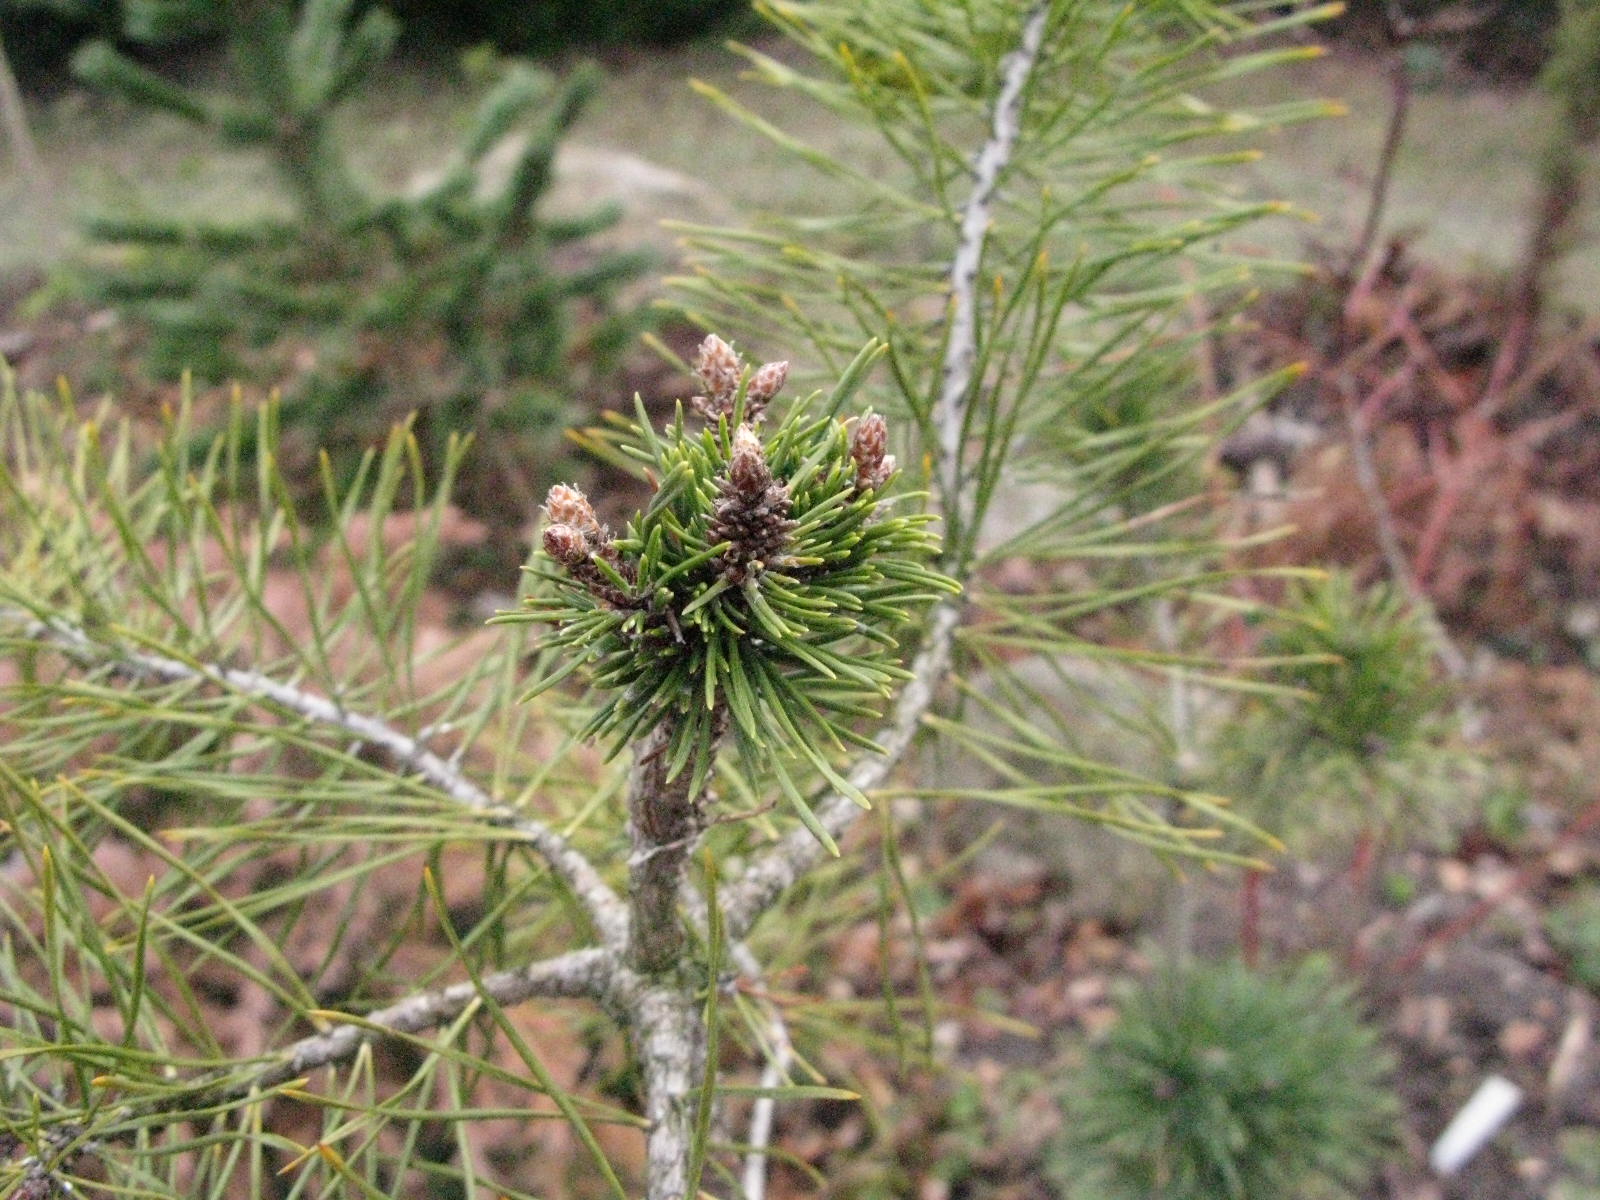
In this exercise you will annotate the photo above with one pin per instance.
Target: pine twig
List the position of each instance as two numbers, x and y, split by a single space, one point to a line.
579 974
961 343
776 870
780 1052
575 870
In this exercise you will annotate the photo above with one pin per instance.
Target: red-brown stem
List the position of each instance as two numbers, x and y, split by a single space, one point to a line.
1400 109
1363 859
1443 510
1362 862
1250 918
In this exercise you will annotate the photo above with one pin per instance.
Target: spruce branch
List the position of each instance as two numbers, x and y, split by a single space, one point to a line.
408 753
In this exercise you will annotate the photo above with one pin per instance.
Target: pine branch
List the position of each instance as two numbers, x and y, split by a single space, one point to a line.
579 974
780 1052
597 897
961 342
780 867
754 601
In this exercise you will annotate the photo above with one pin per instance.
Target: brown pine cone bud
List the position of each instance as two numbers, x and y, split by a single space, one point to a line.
868 441
719 368
577 554
766 383
752 510
747 466
566 505
566 545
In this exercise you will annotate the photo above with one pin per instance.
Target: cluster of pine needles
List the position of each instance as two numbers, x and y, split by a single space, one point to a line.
755 597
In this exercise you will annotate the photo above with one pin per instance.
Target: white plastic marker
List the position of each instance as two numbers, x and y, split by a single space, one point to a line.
1483 1116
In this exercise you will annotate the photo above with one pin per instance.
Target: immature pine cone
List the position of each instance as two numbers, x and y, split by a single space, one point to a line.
766 383
719 368
574 536
867 443
567 545
566 505
752 510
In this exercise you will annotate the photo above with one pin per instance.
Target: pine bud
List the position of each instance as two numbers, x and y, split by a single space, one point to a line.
719 368
566 545
747 467
566 505
868 441
766 383
752 510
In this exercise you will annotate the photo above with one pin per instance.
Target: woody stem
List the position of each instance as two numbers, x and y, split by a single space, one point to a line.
664 820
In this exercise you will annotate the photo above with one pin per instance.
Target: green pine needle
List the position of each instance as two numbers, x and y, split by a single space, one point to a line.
789 652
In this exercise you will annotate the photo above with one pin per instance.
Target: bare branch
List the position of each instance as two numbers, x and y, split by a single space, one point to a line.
597 897
580 974
776 870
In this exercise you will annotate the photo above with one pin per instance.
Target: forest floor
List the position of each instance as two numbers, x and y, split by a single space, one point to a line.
1497 513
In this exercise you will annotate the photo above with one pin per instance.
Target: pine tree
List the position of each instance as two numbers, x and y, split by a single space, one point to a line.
783 618
449 302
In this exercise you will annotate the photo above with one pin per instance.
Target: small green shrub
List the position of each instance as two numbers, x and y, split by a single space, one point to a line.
1222 1083
1359 732
1574 927
1365 667
463 301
